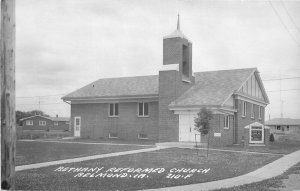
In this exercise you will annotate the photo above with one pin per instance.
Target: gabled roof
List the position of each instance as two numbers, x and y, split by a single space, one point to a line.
213 88
283 121
50 118
117 87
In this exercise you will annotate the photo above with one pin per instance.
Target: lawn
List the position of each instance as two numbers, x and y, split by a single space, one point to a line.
29 152
115 141
163 168
276 183
284 147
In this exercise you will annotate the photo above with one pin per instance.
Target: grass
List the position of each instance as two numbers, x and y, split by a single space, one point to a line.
272 184
221 165
284 147
29 152
117 141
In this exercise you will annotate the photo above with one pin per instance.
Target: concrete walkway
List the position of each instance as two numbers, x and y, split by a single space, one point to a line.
80 159
271 170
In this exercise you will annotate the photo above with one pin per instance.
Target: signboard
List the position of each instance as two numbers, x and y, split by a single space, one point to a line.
217 134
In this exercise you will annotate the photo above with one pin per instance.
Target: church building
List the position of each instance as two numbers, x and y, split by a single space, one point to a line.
162 107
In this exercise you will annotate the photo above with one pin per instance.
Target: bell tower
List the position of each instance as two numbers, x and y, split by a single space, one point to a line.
175 78
177 49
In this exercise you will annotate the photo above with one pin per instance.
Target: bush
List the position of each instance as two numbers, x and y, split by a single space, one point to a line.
272 138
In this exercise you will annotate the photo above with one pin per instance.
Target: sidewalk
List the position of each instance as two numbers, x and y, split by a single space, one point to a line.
80 159
271 170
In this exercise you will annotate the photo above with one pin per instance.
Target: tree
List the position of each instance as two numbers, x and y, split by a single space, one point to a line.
202 123
272 138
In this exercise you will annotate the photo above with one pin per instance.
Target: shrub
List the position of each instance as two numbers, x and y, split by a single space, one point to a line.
272 138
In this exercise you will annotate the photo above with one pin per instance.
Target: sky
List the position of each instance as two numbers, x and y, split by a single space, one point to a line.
62 45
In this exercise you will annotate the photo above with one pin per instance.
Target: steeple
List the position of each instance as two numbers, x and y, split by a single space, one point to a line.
177 49
177 32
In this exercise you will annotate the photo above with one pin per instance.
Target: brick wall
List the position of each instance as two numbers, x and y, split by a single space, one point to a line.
217 126
95 122
241 121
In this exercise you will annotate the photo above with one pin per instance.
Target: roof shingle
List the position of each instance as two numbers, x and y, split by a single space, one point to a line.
113 87
283 121
213 87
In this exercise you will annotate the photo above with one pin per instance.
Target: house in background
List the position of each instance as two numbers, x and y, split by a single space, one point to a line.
284 128
163 107
38 122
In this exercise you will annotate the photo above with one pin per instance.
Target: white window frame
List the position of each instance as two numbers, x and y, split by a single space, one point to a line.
226 121
55 123
252 111
42 123
114 110
111 137
244 109
143 112
29 122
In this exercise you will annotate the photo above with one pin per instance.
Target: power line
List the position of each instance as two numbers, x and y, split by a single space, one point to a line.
282 78
287 12
284 25
41 96
40 103
283 90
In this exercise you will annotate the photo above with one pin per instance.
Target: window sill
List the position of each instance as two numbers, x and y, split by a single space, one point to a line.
140 116
113 137
116 116
243 116
143 138
227 128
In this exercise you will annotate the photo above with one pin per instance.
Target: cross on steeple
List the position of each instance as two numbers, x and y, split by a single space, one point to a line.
178 24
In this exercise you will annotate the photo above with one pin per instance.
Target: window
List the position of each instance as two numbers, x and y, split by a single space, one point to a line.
278 127
226 122
143 109
260 112
42 123
142 136
252 111
244 109
29 122
113 110
287 127
113 135
56 123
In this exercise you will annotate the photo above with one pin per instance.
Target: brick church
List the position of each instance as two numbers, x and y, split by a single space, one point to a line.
162 107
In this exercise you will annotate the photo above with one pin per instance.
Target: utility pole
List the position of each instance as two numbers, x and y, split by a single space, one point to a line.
8 120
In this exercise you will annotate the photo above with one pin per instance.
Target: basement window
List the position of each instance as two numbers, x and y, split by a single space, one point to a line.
142 136
113 135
